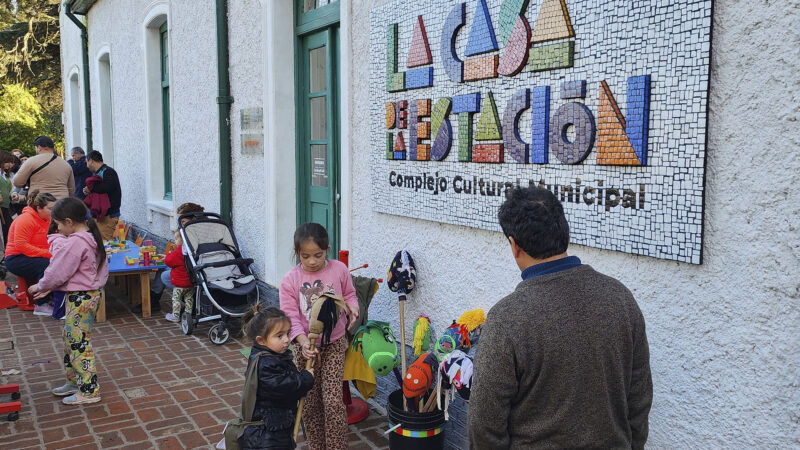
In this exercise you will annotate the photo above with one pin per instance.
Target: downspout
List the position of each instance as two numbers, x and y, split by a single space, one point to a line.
87 97
224 100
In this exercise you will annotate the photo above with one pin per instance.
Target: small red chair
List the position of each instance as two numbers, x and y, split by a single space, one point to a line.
12 408
25 302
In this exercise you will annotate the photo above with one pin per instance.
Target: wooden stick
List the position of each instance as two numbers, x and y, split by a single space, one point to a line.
403 346
309 363
430 403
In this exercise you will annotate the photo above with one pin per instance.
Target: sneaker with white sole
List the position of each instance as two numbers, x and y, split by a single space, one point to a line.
171 317
67 389
78 399
43 310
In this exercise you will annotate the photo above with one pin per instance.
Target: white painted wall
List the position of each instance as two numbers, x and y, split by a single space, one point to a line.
120 28
724 336
724 341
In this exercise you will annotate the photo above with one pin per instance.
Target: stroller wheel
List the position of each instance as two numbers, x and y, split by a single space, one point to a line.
187 323
219 334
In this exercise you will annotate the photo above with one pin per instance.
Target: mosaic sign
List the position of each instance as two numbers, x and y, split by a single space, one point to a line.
601 102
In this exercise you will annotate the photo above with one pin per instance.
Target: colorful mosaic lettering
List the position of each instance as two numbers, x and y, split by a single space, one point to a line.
603 103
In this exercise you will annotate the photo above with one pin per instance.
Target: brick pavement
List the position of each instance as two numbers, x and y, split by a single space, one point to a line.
160 389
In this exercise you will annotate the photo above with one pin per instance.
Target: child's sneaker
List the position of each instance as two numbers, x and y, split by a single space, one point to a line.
171 317
67 389
43 310
78 399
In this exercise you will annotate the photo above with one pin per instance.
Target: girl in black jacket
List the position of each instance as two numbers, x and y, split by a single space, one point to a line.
280 384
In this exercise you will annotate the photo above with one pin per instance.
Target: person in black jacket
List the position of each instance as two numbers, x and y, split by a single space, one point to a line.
79 171
109 186
280 384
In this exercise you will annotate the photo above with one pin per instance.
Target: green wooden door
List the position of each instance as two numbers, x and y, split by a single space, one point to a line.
318 131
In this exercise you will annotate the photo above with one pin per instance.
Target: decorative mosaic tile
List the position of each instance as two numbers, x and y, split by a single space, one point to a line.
481 37
552 22
389 146
442 129
465 137
540 125
400 147
453 66
488 153
582 119
419 54
551 56
488 121
424 130
510 10
419 78
412 131
466 103
402 114
424 107
390 115
481 68
613 146
573 89
517 148
515 55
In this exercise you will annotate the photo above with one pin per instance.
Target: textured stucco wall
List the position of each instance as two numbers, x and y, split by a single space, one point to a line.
723 336
246 24
119 27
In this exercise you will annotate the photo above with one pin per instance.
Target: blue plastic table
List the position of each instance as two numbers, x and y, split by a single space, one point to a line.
140 292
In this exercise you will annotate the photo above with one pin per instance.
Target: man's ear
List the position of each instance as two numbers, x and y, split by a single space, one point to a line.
515 249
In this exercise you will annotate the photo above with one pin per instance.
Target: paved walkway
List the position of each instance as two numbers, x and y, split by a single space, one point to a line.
160 389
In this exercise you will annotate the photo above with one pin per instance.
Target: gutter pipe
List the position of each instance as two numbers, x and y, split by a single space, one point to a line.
224 100
87 96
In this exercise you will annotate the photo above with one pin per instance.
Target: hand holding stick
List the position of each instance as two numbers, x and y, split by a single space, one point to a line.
309 363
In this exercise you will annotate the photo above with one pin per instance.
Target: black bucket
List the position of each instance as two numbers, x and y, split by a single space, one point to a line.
417 431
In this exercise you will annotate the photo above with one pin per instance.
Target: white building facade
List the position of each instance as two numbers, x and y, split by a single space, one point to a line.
708 241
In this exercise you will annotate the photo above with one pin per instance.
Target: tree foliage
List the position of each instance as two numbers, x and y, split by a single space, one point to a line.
20 118
30 59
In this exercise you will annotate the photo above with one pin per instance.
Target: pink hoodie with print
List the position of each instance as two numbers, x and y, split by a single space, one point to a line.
74 265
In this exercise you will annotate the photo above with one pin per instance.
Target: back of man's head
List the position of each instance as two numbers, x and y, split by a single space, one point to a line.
43 141
94 155
535 219
78 150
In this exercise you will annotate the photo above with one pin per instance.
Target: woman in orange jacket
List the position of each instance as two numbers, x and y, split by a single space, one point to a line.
27 250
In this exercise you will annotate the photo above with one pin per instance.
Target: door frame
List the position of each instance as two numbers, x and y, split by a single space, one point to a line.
325 18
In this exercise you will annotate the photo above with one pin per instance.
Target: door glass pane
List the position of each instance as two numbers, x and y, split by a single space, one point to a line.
316 68
308 5
319 116
319 165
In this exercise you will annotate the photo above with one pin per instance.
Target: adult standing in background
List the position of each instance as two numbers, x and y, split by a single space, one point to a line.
563 360
79 170
7 161
109 186
46 172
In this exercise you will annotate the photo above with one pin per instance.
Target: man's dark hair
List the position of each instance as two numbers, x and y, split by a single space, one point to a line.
78 150
535 219
94 155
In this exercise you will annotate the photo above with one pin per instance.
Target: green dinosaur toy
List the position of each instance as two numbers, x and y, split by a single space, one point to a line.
377 344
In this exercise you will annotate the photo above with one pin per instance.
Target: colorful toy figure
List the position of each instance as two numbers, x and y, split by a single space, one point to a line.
131 261
422 334
419 377
456 371
377 344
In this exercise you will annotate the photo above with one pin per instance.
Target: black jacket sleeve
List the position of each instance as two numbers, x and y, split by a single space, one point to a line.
109 184
284 383
640 396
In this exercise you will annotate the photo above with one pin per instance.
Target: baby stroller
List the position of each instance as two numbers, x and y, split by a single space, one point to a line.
225 286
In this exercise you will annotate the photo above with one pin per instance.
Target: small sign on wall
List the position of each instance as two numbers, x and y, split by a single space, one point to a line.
252 131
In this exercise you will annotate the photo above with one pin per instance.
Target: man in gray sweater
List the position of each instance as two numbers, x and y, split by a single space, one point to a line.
563 361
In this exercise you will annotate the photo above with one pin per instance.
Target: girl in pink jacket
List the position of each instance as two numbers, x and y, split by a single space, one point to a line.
78 267
324 414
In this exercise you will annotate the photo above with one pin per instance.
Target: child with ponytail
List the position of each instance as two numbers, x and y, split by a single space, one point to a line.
78 267
273 402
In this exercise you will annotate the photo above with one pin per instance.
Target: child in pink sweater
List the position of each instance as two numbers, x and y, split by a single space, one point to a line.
78 267
324 414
